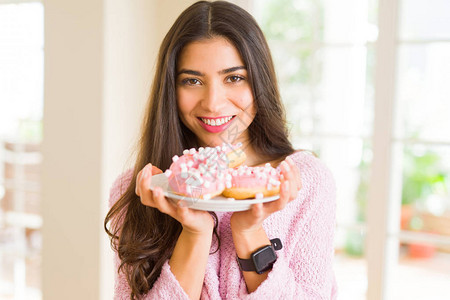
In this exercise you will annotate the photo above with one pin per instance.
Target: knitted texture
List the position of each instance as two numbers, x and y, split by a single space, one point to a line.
303 269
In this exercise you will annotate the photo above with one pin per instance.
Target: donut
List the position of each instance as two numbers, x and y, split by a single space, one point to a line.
202 173
253 182
213 171
236 156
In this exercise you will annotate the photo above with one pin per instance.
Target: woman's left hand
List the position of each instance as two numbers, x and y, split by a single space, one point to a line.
252 219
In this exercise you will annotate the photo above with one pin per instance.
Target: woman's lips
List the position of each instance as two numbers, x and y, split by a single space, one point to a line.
215 129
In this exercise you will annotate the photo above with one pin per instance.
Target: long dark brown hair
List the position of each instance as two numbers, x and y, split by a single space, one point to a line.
143 237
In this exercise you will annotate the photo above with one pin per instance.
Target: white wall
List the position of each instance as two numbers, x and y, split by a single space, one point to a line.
72 147
129 51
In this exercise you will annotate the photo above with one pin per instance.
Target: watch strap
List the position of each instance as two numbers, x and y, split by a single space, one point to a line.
246 264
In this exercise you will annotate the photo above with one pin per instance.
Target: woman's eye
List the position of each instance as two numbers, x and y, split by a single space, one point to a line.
235 78
190 81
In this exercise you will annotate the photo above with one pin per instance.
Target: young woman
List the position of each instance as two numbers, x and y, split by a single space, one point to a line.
214 63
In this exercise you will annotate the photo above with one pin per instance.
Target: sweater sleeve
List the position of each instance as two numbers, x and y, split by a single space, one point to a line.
166 286
303 269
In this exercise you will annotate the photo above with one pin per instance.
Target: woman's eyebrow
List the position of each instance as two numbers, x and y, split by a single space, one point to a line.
190 72
230 70
224 71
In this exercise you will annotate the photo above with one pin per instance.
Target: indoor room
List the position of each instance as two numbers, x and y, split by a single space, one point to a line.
364 85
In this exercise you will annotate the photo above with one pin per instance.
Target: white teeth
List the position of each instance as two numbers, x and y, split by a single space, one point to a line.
216 122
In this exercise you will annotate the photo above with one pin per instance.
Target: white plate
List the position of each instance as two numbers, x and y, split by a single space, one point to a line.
218 203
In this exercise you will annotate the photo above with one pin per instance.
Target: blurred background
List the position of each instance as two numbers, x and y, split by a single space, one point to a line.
365 84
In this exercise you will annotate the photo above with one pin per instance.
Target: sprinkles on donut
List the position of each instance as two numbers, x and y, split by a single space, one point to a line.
212 171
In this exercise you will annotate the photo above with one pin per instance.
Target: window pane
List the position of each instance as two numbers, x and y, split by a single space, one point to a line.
427 20
290 20
346 21
327 91
349 160
423 106
426 189
294 64
340 103
424 252
22 67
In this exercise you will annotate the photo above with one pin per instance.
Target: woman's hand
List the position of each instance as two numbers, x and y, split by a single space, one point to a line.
193 221
252 219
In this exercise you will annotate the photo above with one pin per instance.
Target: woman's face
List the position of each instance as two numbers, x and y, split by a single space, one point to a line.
214 96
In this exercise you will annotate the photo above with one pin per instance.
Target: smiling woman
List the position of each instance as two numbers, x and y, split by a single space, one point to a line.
216 83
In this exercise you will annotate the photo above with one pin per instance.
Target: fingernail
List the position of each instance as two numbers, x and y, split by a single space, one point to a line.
145 175
289 159
286 185
286 166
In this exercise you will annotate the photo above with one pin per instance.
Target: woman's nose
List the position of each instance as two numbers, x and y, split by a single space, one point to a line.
214 97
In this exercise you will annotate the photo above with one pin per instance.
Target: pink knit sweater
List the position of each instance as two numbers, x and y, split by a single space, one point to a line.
303 269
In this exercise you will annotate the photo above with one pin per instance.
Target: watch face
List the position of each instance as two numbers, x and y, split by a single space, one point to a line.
264 259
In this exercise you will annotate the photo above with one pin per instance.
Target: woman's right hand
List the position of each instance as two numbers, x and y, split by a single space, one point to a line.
193 221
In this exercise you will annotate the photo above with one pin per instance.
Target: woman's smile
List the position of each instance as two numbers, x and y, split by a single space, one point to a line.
215 125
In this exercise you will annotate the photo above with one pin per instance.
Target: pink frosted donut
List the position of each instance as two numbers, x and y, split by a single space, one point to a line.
252 182
202 173
234 154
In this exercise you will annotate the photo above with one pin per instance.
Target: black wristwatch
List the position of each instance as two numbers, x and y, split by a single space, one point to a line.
262 259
